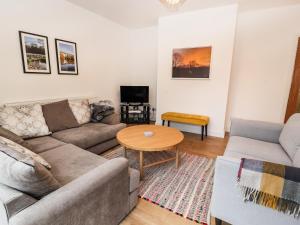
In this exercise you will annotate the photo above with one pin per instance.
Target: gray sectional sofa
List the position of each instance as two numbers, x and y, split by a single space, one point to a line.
277 143
94 190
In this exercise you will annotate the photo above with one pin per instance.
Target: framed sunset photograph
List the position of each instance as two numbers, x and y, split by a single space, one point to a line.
35 53
66 55
191 63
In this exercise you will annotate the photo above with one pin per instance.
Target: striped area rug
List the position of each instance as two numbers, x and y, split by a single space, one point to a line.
185 191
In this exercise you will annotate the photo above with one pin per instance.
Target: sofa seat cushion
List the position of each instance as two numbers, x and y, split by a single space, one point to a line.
104 146
241 147
69 162
89 134
42 144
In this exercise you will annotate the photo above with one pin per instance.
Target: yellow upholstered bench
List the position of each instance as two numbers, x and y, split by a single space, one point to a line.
186 118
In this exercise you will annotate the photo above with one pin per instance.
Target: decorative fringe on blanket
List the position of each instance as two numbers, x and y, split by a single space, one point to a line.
271 201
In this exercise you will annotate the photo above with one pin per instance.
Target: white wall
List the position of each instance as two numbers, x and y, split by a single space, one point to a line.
265 49
215 27
143 59
102 51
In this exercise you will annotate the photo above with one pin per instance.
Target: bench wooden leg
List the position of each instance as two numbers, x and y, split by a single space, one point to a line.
206 130
202 132
163 122
218 221
168 123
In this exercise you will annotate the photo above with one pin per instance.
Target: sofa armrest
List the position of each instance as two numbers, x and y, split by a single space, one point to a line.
97 197
264 131
111 119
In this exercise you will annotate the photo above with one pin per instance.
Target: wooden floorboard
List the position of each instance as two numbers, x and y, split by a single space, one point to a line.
147 213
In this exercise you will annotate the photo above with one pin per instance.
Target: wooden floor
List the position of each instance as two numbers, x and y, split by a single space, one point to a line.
147 213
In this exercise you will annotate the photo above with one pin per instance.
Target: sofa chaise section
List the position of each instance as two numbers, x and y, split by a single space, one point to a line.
98 197
70 162
94 191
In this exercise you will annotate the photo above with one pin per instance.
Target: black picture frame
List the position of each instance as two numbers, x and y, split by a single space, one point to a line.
58 58
24 56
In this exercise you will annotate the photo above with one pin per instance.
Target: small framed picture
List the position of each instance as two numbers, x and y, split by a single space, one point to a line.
35 53
66 55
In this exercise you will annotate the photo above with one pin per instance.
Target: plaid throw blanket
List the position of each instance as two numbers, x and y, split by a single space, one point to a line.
272 185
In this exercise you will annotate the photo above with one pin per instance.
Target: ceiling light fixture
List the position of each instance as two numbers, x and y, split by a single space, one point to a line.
172 4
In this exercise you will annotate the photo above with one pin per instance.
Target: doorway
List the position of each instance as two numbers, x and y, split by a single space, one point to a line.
294 97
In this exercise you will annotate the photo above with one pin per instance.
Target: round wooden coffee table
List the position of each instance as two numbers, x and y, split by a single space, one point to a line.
164 138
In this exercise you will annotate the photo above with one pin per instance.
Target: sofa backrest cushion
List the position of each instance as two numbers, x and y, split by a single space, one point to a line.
81 110
20 171
14 201
19 152
10 135
59 116
24 120
15 138
290 136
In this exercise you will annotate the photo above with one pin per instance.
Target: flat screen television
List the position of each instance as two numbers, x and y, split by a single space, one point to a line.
134 94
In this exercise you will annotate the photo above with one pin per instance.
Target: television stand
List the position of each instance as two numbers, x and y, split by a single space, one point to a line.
135 113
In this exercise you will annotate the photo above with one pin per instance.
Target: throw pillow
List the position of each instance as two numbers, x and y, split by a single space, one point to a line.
81 110
101 109
8 144
111 119
15 138
290 136
23 173
24 120
59 116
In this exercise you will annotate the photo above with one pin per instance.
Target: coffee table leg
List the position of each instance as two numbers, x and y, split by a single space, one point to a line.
142 164
125 152
177 157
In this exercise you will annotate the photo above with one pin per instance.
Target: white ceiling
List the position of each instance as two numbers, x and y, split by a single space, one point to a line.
143 13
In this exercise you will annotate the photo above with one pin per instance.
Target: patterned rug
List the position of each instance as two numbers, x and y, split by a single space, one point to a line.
185 191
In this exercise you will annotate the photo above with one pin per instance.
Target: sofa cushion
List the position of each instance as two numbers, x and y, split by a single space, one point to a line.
89 134
241 147
81 110
111 119
25 174
104 146
24 120
69 162
42 144
290 135
59 116
14 201
19 152
13 137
